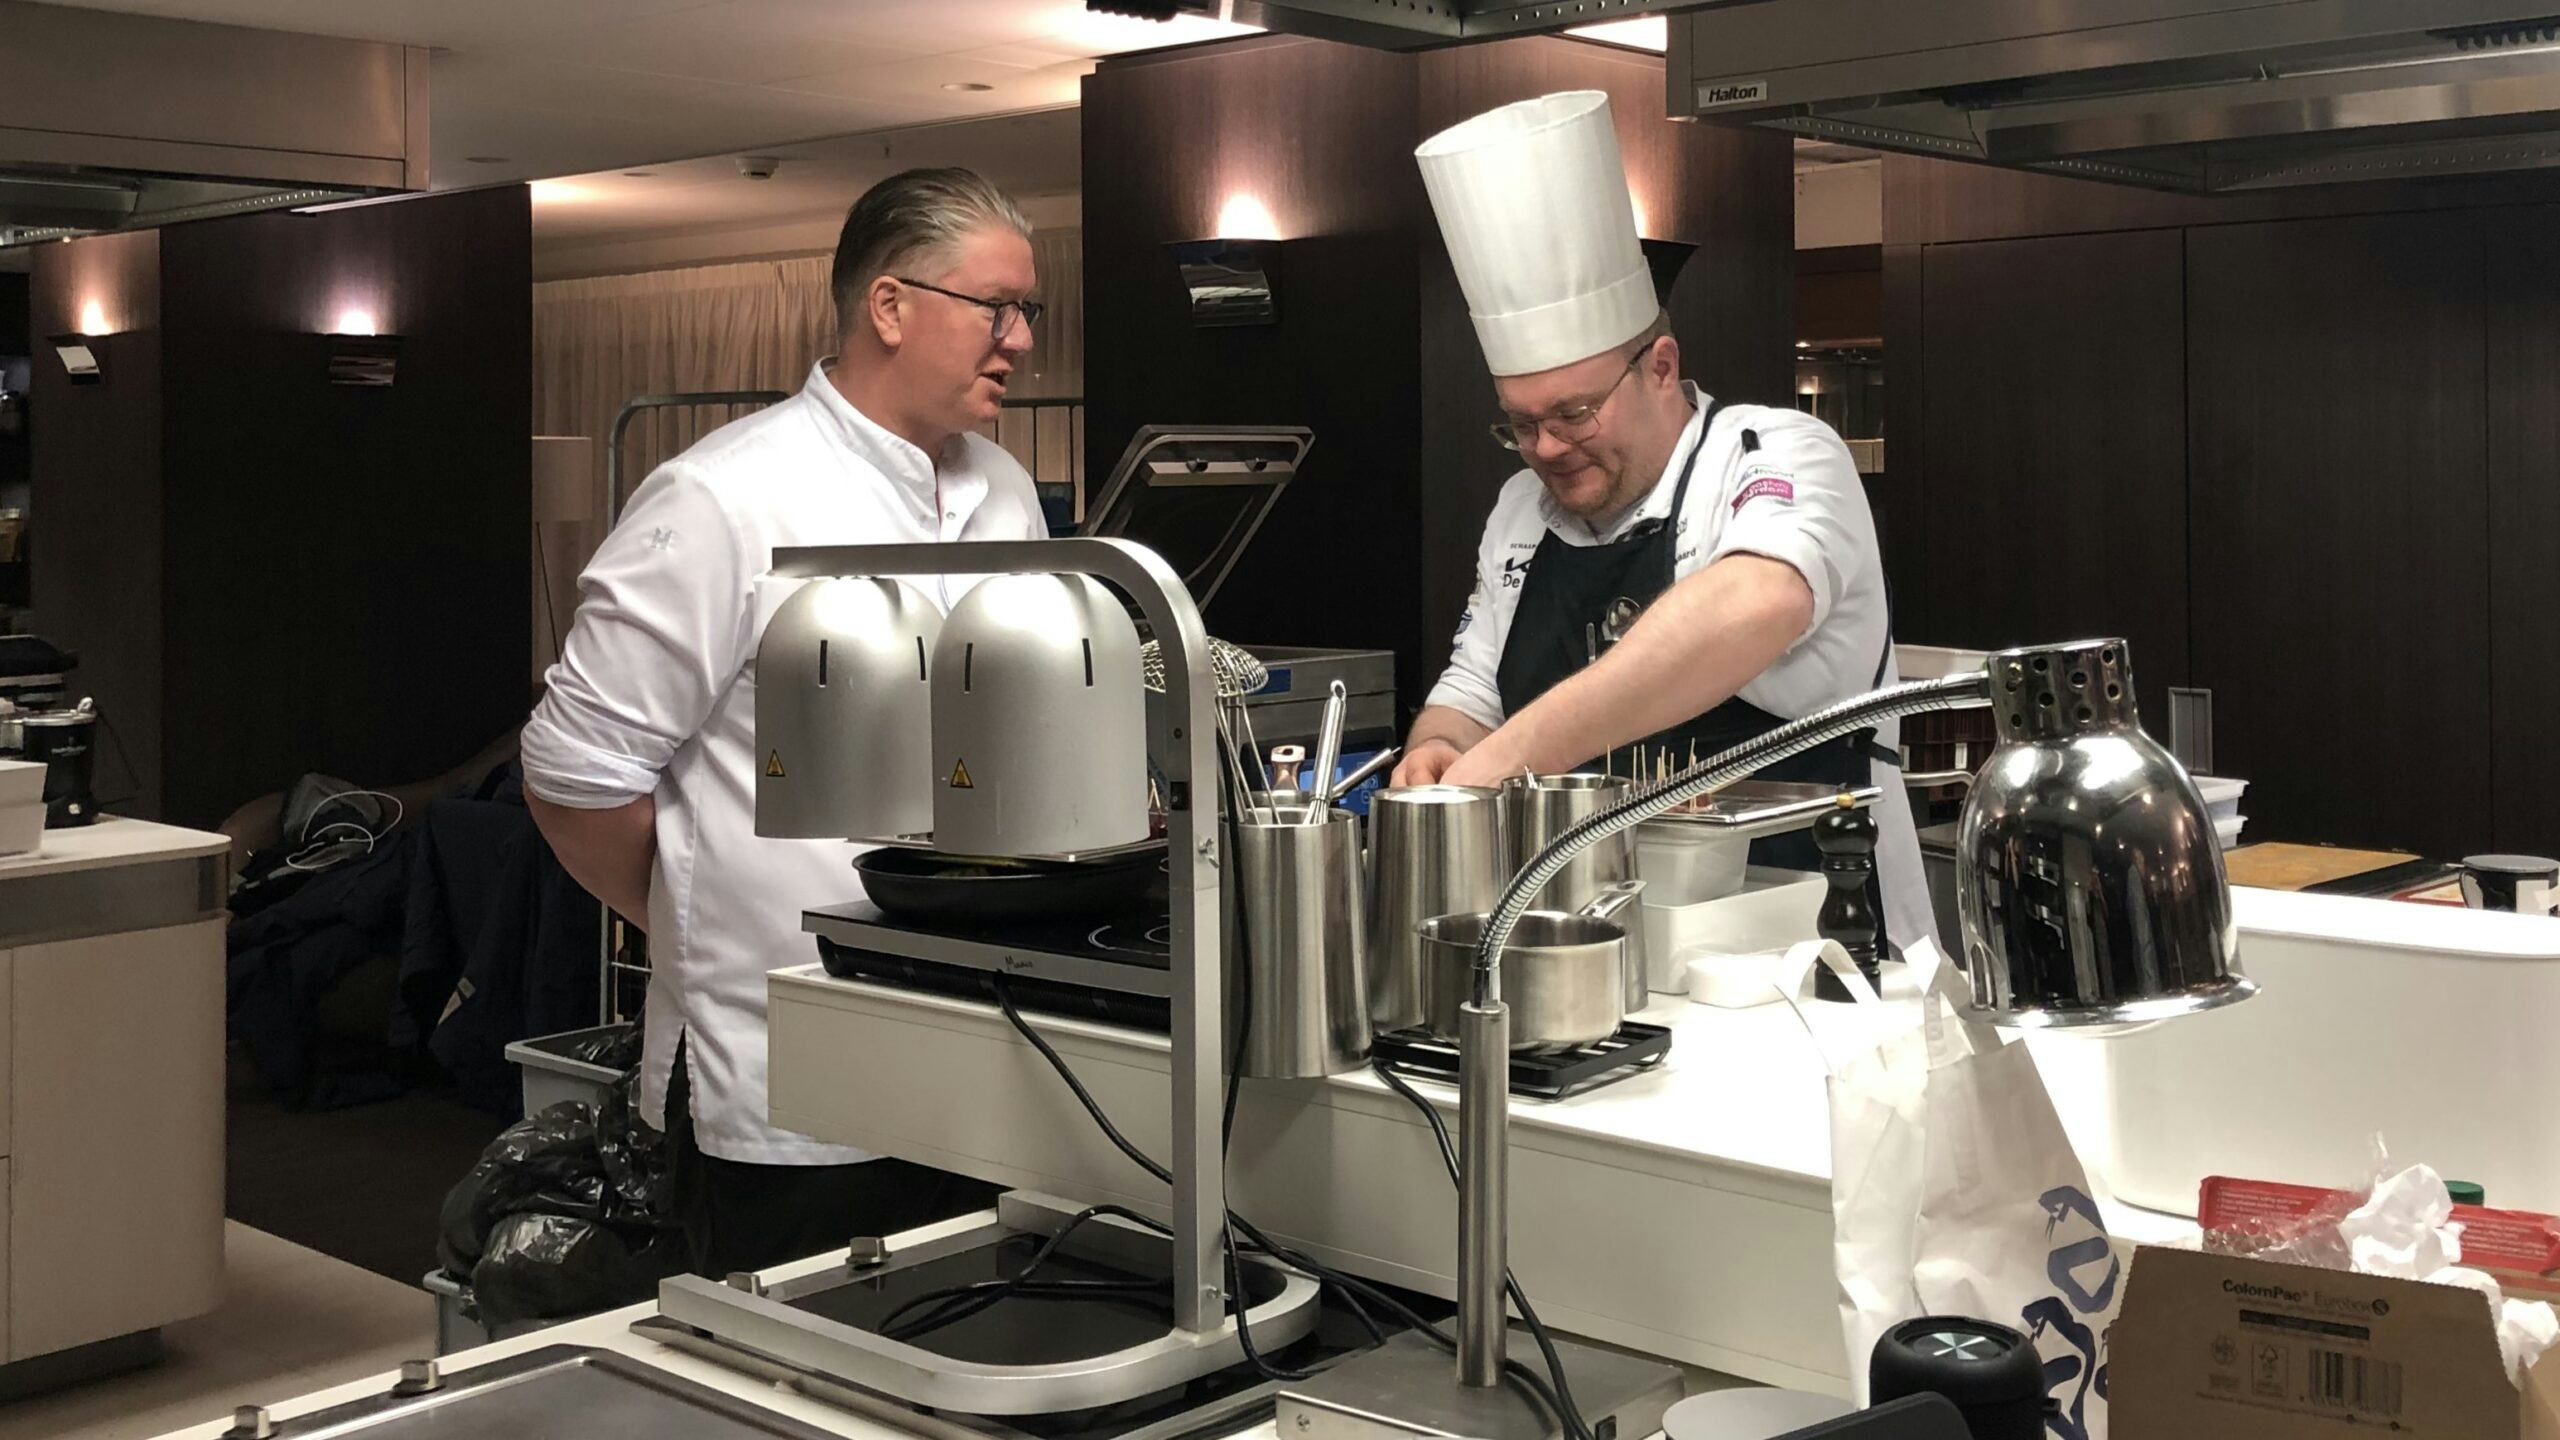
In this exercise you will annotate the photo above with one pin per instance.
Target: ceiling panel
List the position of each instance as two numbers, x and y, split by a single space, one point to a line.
543 88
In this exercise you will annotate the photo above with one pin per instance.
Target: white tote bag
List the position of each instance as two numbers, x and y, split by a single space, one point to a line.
1954 1190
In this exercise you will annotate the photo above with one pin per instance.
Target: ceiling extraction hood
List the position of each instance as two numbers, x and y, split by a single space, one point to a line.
2192 95
121 122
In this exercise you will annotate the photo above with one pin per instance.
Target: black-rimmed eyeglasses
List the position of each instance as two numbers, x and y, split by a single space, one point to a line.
1002 311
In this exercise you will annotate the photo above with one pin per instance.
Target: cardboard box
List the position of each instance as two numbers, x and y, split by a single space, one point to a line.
2218 1345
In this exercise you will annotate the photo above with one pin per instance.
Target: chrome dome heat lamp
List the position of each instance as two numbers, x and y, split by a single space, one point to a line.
2092 896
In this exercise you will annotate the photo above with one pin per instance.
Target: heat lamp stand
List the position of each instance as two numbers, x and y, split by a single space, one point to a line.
1203 1338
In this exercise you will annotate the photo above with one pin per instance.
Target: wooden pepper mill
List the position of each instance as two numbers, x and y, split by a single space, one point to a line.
1846 836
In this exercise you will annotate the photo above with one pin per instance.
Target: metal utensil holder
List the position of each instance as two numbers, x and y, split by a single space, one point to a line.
1298 972
1433 850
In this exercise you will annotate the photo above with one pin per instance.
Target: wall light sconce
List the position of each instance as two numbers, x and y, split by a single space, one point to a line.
79 357
1664 258
370 361
1229 281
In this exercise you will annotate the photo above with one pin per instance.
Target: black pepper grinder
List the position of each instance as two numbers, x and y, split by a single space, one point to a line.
1846 836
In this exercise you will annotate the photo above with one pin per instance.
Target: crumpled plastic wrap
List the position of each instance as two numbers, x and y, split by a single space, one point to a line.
2402 1226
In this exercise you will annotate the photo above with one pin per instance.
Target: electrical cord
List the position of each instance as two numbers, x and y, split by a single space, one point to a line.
984 1293
1574 1422
1346 1284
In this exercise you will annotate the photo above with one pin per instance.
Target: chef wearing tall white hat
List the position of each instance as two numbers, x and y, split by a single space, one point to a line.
1671 574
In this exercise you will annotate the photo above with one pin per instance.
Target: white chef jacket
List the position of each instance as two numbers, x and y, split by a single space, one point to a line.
654 694
1796 499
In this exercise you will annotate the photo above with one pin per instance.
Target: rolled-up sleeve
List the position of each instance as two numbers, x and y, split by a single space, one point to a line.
661 633
1798 500
1471 685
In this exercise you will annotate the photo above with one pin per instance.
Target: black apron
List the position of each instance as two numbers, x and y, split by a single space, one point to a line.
1578 599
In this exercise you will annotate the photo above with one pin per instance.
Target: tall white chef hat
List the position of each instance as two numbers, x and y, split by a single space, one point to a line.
1532 200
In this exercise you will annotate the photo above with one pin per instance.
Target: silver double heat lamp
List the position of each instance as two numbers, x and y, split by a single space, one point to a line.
2092 897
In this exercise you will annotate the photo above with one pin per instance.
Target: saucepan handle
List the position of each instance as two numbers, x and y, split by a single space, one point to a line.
1610 901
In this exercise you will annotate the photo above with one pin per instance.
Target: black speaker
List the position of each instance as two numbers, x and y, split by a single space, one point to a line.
1990 1372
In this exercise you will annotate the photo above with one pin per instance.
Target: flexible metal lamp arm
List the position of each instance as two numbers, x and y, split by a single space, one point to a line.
1954 692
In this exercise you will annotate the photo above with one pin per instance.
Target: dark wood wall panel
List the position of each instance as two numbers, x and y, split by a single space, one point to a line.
2338 470
1900 496
2049 365
352 562
1375 544
1319 134
2523 285
94 508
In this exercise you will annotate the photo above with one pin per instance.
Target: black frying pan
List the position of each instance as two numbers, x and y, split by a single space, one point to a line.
929 885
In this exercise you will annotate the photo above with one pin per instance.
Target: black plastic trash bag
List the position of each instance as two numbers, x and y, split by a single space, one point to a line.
538 1267
634 1160
546 1163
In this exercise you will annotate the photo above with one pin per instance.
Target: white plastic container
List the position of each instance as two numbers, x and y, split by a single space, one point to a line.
550 1076
2221 795
2425 1024
1773 910
21 807
2228 831
1684 864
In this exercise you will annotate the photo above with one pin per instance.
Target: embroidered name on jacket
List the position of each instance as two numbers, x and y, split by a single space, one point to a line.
1768 487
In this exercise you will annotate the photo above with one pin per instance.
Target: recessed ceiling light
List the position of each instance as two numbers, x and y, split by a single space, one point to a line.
970 87
484 159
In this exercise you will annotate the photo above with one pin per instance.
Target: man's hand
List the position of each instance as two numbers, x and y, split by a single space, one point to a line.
1487 765
1425 763
1439 736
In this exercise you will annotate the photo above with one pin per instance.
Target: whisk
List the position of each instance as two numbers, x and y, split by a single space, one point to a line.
1238 673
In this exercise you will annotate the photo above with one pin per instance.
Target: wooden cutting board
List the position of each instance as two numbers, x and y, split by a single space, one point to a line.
2299 867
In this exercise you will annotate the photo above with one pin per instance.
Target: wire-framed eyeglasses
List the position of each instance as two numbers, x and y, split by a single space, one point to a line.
1571 424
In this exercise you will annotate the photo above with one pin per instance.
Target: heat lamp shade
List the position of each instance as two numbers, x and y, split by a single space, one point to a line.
1039 721
564 478
2089 880
844 711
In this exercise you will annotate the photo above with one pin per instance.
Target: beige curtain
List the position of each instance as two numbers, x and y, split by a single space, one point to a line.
599 343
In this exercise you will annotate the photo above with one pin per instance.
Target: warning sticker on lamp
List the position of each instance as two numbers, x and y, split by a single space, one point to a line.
1722 94
773 765
960 776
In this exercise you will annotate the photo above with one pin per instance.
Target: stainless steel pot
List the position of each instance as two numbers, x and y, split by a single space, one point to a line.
1564 976
1433 850
1538 808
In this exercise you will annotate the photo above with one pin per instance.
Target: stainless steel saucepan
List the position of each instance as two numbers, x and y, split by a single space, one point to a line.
1563 975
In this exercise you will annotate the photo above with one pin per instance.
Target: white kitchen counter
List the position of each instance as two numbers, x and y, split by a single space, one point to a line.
111 1088
112 840
1684 1213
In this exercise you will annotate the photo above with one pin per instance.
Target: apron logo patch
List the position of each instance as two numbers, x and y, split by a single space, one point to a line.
960 776
1770 487
773 765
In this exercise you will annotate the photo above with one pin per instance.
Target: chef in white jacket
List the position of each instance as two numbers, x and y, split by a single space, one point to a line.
1671 574
640 759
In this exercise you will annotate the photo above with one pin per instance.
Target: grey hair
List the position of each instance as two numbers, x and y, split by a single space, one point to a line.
915 219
